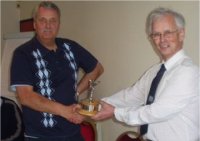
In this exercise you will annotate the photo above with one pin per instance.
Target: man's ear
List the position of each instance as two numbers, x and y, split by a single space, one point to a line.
181 34
34 24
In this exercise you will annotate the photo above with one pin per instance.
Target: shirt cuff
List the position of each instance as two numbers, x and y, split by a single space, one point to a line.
120 114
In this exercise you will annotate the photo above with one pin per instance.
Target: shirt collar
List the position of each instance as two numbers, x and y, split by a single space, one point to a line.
174 59
43 49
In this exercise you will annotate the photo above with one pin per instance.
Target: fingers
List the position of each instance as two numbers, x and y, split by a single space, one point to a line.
106 111
76 118
72 115
76 107
97 116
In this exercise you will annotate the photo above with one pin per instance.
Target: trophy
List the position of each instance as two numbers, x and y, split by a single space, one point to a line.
89 106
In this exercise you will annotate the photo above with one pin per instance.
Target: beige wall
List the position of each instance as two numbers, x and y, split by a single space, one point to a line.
10 16
114 32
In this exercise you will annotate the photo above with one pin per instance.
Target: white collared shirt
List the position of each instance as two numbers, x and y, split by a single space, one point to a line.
174 115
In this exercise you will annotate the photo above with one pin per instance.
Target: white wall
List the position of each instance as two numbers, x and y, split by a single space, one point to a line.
115 33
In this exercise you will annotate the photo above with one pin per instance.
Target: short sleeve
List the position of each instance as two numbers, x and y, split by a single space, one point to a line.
85 59
20 73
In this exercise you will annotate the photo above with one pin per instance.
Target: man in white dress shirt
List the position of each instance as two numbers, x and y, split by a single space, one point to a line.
174 114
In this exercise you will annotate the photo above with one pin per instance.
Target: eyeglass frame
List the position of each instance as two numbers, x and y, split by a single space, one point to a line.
167 34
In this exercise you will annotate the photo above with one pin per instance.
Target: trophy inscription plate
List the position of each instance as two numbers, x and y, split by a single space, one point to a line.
89 106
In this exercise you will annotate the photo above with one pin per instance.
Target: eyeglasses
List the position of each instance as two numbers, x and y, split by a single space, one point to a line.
166 35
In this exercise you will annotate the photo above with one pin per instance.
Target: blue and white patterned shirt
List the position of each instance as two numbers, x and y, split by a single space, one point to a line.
54 76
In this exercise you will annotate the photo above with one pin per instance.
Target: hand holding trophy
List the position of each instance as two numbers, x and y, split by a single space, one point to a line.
89 106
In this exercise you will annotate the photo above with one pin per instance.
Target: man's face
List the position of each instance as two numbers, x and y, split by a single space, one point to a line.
166 36
46 24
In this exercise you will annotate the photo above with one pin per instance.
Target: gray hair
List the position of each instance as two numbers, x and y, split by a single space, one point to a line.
159 12
45 4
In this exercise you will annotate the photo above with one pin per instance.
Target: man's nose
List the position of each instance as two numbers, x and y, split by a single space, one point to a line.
162 37
47 24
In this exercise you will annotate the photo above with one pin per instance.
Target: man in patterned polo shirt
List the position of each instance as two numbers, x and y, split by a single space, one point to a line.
44 75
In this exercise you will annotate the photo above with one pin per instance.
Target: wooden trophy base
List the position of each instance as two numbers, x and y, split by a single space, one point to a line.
89 108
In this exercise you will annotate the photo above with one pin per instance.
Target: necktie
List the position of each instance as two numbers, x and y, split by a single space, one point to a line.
151 96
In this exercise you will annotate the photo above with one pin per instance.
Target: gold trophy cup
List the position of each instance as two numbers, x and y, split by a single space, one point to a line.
89 106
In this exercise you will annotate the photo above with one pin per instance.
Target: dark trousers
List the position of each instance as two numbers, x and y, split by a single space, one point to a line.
76 137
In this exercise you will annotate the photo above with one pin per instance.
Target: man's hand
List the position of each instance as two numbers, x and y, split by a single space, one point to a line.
106 111
35 101
71 114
